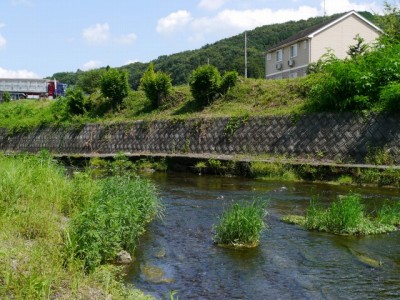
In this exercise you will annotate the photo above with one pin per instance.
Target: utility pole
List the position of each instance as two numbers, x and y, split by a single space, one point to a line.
245 54
324 8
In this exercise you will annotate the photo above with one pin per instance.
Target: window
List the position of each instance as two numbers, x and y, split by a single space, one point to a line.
293 50
293 75
305 44
269 56
279 55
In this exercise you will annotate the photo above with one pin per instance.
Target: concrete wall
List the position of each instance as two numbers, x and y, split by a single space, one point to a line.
329 136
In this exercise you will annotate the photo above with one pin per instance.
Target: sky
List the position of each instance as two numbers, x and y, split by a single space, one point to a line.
41 37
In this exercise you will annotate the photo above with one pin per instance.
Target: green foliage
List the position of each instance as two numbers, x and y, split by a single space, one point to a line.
389 214
270 170
241 225
113 221
37 201
390 96
234 123
389 21
22 115
89 81
354 85
6 97
72 104
215 165
114 86
358 49
345 180
229 80
379 156
205 84
346 215
386 177
157 86
75 101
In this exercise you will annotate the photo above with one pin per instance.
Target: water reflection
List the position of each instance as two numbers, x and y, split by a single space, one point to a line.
177 252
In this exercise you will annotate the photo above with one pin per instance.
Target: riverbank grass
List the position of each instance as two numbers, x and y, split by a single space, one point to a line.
347 216
241 225
38 204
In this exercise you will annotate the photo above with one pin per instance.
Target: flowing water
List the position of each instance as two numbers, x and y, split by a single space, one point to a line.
177 252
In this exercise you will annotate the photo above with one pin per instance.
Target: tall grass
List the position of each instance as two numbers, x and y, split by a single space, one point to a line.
273 171
113 220
37 202
347 215
241 225
390 213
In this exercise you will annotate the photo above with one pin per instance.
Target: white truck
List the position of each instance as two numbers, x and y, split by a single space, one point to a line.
24 88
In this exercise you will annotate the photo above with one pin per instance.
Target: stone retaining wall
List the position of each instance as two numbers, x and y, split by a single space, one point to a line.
344 137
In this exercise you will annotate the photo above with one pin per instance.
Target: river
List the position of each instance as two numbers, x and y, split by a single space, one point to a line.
177 252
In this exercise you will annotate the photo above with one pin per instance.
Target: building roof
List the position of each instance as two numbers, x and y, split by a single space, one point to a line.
310 32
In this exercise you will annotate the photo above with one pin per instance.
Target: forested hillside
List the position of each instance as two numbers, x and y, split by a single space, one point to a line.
226 54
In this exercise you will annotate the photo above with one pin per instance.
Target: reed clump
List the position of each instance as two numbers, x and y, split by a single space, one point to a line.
347 215
241 225
39 203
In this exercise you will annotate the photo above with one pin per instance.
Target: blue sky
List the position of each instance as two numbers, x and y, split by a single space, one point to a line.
41 37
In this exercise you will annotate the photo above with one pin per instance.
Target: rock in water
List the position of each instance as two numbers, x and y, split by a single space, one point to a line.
123 258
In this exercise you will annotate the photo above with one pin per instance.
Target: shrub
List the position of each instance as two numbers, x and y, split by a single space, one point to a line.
114 86
113 221
229 80
368 82
205 84
390 96
6 97
75 101
156 86
241 225
390 213
89 81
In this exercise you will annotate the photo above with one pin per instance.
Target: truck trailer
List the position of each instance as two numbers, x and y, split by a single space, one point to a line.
31 88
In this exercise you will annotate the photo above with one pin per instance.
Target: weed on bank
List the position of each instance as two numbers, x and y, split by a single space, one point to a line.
41 209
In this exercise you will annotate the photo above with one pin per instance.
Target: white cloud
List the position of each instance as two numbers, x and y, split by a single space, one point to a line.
4 73
212 4
3 42
92 64
127 39
234 21
97 34
339 6
173 22
2 25
131 61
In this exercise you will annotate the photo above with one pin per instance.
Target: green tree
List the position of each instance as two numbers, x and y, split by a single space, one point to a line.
6 97
390 23
89 81
75 101
205 84
358 49
114 86
229 80
157 86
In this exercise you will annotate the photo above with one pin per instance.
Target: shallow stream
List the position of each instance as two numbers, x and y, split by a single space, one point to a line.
177 252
